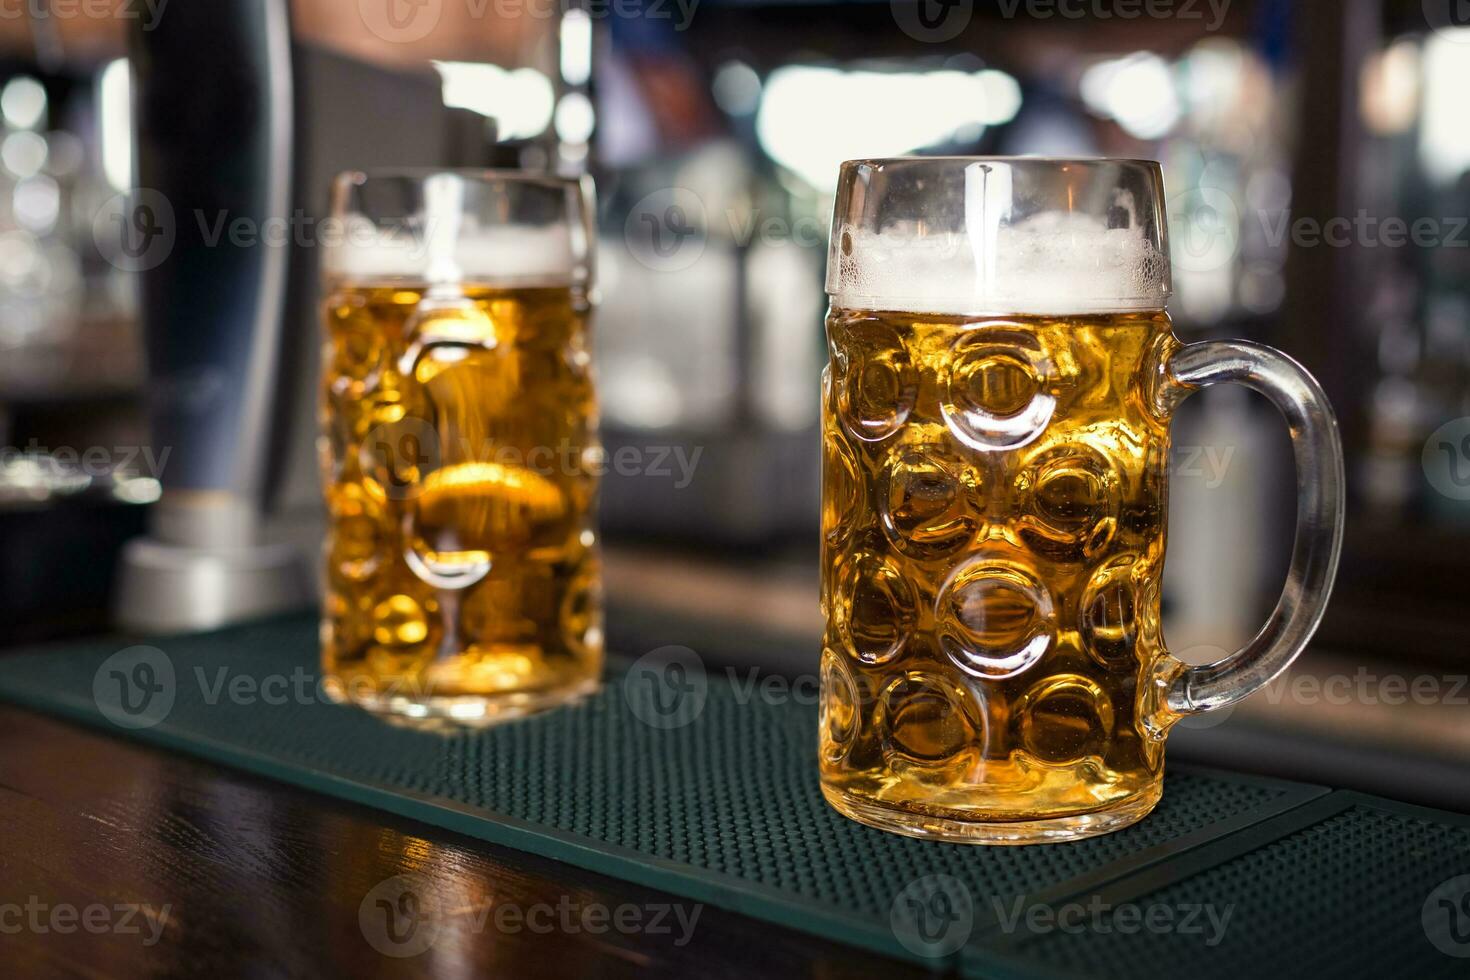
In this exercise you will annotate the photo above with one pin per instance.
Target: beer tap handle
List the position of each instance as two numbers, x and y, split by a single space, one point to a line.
214 131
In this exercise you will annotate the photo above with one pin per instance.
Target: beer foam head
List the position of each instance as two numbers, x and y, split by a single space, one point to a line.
508 255
1050 262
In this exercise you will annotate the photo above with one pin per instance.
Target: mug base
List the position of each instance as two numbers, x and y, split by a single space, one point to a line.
1047 830
459 711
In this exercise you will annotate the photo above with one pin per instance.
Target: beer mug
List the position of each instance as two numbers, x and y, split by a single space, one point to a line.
995 439
459 445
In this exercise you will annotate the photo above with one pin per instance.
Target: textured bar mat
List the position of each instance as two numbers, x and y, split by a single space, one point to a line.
717 803
1345 886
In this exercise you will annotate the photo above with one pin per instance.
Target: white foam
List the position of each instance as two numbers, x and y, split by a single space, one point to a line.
499 255
1052 262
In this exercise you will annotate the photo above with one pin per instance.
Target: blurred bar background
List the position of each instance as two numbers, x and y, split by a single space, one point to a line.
1317 155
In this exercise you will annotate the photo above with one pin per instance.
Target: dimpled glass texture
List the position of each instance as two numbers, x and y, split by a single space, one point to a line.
993 541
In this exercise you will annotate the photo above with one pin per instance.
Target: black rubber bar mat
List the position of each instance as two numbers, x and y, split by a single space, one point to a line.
1347 885
716 802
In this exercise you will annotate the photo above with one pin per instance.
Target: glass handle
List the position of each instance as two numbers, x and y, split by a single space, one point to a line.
1319 515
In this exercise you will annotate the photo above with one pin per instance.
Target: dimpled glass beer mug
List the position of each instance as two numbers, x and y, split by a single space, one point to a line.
995 444
459 445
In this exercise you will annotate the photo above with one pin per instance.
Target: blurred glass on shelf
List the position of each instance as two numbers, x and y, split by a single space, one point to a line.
66 309
1416 288
75 476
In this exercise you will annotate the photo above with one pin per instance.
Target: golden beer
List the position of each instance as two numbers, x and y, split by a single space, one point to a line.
993 541
995 494
460 461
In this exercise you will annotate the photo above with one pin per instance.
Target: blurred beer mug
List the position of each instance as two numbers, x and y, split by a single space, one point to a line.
995 440
460 449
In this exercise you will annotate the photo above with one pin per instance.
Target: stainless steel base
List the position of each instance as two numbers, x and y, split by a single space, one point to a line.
165 588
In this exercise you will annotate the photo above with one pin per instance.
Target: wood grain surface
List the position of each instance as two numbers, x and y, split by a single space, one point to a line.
119 860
